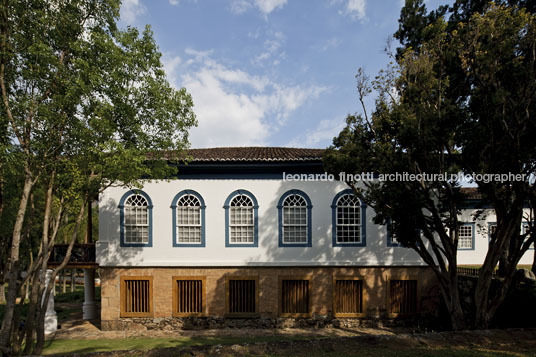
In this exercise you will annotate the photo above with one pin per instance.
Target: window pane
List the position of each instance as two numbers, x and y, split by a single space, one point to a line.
348 228
465 237
136 220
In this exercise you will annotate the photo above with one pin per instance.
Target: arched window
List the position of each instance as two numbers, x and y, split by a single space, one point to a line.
136 219
294 219
188 209
348 219
241 227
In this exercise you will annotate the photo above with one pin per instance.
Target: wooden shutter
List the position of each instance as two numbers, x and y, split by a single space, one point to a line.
403 296
242 296
348 297
136 296
295 297
188 296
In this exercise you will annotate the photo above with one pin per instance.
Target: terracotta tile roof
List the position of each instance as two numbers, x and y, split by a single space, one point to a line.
252 154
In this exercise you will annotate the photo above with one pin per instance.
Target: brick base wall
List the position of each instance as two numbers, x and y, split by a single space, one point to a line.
375 293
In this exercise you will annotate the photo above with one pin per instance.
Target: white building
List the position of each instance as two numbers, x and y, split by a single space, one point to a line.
230 237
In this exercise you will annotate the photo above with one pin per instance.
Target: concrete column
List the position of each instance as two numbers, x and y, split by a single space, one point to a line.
89 307
51 320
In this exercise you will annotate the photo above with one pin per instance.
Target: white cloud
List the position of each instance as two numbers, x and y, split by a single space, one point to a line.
233 107
271 50
174 2
328 44
240 6
267 6
322 135
264 6
356 9
130 10
171 64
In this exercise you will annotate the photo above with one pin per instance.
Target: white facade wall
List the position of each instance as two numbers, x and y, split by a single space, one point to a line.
477 255
268 253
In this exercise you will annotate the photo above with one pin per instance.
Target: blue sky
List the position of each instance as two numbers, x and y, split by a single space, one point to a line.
268 72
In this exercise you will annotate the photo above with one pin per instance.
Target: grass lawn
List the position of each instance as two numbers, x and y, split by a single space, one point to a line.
278 346
144 344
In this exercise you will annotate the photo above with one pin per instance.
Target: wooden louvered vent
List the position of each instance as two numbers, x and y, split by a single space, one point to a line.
189 297
403 296
136 296
242 297
348 297
295 297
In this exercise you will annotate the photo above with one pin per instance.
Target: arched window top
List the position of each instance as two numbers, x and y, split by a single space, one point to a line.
189 201
135 198
295 200
235 196
136 201
348 200
241 201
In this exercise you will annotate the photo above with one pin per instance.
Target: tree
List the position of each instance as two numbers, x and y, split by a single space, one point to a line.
85 103
460 98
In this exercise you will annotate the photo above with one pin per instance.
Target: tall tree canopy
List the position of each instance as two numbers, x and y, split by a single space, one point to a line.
459 97
82 104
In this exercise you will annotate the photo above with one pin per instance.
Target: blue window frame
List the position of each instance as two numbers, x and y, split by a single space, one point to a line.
348 220
241 220
188 217
466 236
391 237
136 219
294 211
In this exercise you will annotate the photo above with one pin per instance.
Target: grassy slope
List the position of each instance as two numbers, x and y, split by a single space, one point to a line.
277 346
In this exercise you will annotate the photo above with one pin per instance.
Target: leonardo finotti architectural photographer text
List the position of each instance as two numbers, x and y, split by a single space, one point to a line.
407 177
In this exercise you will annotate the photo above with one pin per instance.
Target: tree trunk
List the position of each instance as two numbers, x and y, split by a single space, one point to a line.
2 293
63 281
40 332
486 304
451 296
73 280
13 266
33 310
534 260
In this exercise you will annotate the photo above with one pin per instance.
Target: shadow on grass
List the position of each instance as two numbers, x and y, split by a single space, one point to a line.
276 345
143 344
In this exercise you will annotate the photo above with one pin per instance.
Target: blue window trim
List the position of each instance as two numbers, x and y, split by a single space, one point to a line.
255 220
122 218
363 242
174 219
388 234
309 242
472 224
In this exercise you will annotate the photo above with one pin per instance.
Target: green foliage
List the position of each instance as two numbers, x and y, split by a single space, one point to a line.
83 104
460 97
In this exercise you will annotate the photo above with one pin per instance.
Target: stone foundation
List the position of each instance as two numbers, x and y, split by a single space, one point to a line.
375 295
202 323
